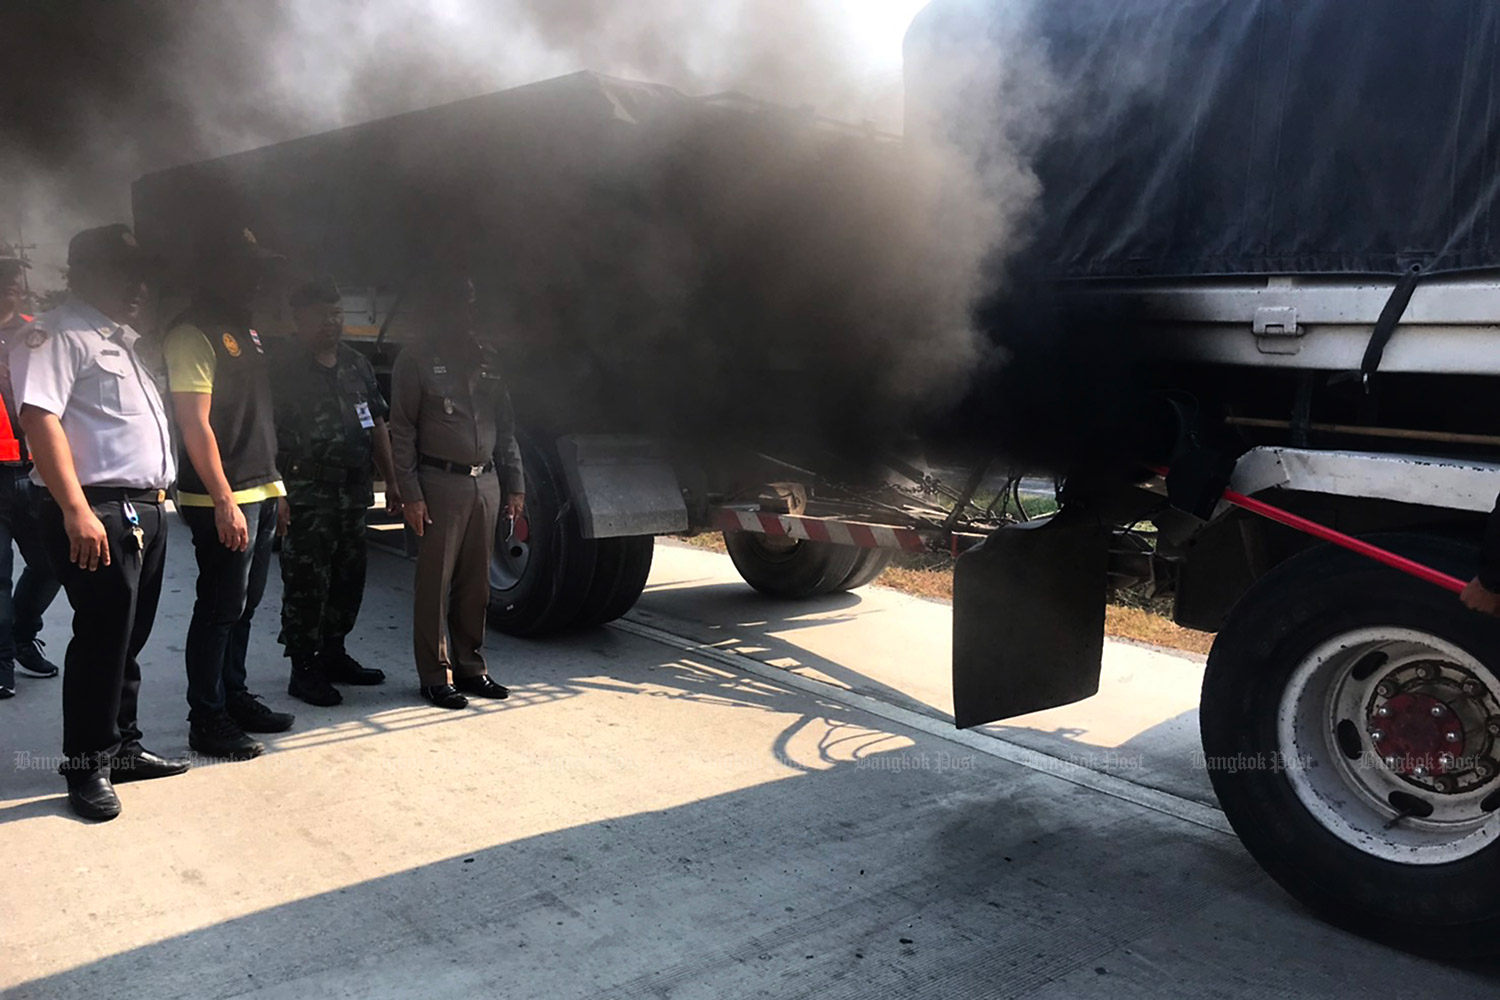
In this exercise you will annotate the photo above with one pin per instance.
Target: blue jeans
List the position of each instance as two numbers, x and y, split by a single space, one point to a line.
21 610
230 586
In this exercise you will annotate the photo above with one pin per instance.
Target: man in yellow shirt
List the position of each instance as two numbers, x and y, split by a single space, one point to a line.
228 488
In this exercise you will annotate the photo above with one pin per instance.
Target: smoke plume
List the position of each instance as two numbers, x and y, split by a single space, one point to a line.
761 274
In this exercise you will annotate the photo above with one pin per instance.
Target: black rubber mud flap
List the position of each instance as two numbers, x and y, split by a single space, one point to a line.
1028 618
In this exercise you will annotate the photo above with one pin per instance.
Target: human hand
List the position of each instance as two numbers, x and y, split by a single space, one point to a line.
393 503
515 504
88 543
416 516
230 521
1477 597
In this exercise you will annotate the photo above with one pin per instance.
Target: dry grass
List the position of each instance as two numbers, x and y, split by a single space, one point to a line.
1127 617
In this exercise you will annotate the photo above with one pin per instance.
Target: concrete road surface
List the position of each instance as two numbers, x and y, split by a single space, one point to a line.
721 797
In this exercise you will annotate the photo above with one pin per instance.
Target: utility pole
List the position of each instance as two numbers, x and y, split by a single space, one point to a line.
19 251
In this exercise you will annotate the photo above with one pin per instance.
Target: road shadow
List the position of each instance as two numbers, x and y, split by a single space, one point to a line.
857 880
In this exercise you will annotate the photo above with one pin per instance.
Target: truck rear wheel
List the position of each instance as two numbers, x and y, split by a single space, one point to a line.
1351 729
868 565
619 577
541 573
789 568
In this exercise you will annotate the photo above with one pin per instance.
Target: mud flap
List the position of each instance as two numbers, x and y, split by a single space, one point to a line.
1028 617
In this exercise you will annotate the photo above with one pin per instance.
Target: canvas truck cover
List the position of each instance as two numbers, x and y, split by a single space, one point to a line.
1250 137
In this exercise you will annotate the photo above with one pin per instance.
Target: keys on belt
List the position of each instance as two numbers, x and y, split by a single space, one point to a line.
137 536
472 471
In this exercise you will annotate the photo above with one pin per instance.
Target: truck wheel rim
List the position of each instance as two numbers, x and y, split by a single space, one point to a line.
511 557
1391 739
774 549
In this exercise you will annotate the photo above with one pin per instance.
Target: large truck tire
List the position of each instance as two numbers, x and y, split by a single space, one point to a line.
619 577
868 565
1351 729
788 568
541 575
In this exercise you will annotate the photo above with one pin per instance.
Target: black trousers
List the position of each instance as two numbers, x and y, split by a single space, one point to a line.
114 607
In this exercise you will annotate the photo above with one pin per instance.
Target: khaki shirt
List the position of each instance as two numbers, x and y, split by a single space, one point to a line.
455 408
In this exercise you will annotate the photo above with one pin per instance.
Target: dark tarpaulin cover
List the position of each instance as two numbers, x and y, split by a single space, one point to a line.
1223 137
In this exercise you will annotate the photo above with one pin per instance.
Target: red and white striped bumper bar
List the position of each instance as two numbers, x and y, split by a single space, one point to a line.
818 529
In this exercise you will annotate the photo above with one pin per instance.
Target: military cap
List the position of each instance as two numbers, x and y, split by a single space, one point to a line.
322 290
112 245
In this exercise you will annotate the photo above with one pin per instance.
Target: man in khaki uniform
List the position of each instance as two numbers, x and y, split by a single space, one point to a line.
451 424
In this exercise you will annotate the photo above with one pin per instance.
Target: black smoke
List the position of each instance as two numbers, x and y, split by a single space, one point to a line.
748 277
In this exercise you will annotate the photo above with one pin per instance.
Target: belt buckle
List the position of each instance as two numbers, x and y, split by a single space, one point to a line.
475 471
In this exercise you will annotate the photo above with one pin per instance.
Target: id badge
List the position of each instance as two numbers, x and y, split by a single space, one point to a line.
363 410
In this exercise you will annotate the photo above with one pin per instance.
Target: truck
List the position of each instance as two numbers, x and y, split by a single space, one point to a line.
1264 262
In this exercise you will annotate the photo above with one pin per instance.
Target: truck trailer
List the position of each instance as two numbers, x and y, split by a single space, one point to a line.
1270 232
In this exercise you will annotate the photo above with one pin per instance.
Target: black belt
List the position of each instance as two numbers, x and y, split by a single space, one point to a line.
118 494
472 471
336 475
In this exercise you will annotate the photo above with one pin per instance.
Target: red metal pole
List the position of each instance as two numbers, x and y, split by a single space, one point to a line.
1349 542
1385 556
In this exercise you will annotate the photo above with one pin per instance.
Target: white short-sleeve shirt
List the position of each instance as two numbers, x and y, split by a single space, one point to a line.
79 364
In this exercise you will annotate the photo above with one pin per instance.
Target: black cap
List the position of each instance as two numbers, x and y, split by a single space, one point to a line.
322 290
113 245
232 242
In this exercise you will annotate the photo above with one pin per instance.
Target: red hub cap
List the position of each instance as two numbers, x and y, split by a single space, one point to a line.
1416 734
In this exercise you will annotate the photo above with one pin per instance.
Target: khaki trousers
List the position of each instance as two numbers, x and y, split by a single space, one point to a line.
453 574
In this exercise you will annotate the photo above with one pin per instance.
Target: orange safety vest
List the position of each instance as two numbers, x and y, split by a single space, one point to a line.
10 445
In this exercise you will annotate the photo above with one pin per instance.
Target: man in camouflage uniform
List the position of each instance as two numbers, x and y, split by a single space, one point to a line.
331 434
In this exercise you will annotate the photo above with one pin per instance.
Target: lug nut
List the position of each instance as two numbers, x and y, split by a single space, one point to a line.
1438 711
1385 689
1452 737
1419 771
1425 672
1442 784
1493 728
1470 688
1384 711
1445 759
1390 762
1376 735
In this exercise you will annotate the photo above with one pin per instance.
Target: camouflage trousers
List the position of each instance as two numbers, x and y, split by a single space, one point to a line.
322 576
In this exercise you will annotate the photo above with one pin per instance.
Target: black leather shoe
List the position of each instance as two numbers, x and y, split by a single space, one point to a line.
482 686
221 736
444 696
255 716
341 668
93 797
309 684
139 764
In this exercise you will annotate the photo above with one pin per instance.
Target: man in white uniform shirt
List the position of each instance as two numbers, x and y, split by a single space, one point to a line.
98 436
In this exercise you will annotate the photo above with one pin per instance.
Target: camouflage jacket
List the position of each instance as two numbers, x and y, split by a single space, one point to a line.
324 450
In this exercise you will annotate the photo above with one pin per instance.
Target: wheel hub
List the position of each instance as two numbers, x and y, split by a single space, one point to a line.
1431 722
512 555
1391 740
